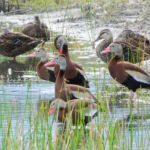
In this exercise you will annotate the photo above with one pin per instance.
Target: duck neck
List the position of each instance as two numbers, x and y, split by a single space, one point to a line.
37 20
43 59
67 55
65 52
59 81
114 60
109 40
105 43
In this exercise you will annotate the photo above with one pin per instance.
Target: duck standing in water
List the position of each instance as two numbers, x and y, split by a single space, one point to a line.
76 110
63 90
73 72
135 46
13 44
43 72
37 30
126 73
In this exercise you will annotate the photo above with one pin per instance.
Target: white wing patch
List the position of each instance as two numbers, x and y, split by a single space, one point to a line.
50 68
88 111
138 76
83 95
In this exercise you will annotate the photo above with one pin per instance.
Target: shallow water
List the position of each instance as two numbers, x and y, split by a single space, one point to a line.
21 88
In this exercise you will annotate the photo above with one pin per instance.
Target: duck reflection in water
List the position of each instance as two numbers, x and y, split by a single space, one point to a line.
11 70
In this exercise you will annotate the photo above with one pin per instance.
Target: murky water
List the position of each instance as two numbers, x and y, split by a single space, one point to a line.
21 88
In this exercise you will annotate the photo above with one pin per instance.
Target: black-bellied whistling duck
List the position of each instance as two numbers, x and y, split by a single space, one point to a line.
43 72
13 44
73 74
78 111
135 46
37 30
128 74
63 90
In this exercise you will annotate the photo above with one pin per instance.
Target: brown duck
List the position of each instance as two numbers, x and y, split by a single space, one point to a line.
126 73
76 111
43 72
135 46
37 30
13 44
73 74
63 90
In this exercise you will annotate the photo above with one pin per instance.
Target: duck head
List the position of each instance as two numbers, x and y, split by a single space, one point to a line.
39 53
114 48
57 103
61 61
105 34
61 43
36 19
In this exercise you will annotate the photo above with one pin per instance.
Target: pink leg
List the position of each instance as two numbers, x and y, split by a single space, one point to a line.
135 103
135 97
14 58
131 95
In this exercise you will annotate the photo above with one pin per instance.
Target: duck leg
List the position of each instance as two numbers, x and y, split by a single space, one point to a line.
135 103
14 58
135 97
131 95
43 43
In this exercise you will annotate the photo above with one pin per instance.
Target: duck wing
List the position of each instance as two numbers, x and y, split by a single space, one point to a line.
37 31
135 42
86 107
14 43
137 73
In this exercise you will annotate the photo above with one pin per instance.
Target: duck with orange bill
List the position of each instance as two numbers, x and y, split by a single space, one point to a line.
74 72
42 71
67 91
126 73
78 111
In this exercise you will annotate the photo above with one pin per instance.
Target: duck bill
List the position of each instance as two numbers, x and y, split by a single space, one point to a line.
60 51
97 39
50 64
51 111
107 50
32 55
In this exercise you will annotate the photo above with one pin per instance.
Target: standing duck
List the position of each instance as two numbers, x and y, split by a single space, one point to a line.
63 90
13 44
37 30
102 42
73 74
43 72
135 46
79 111
126 73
